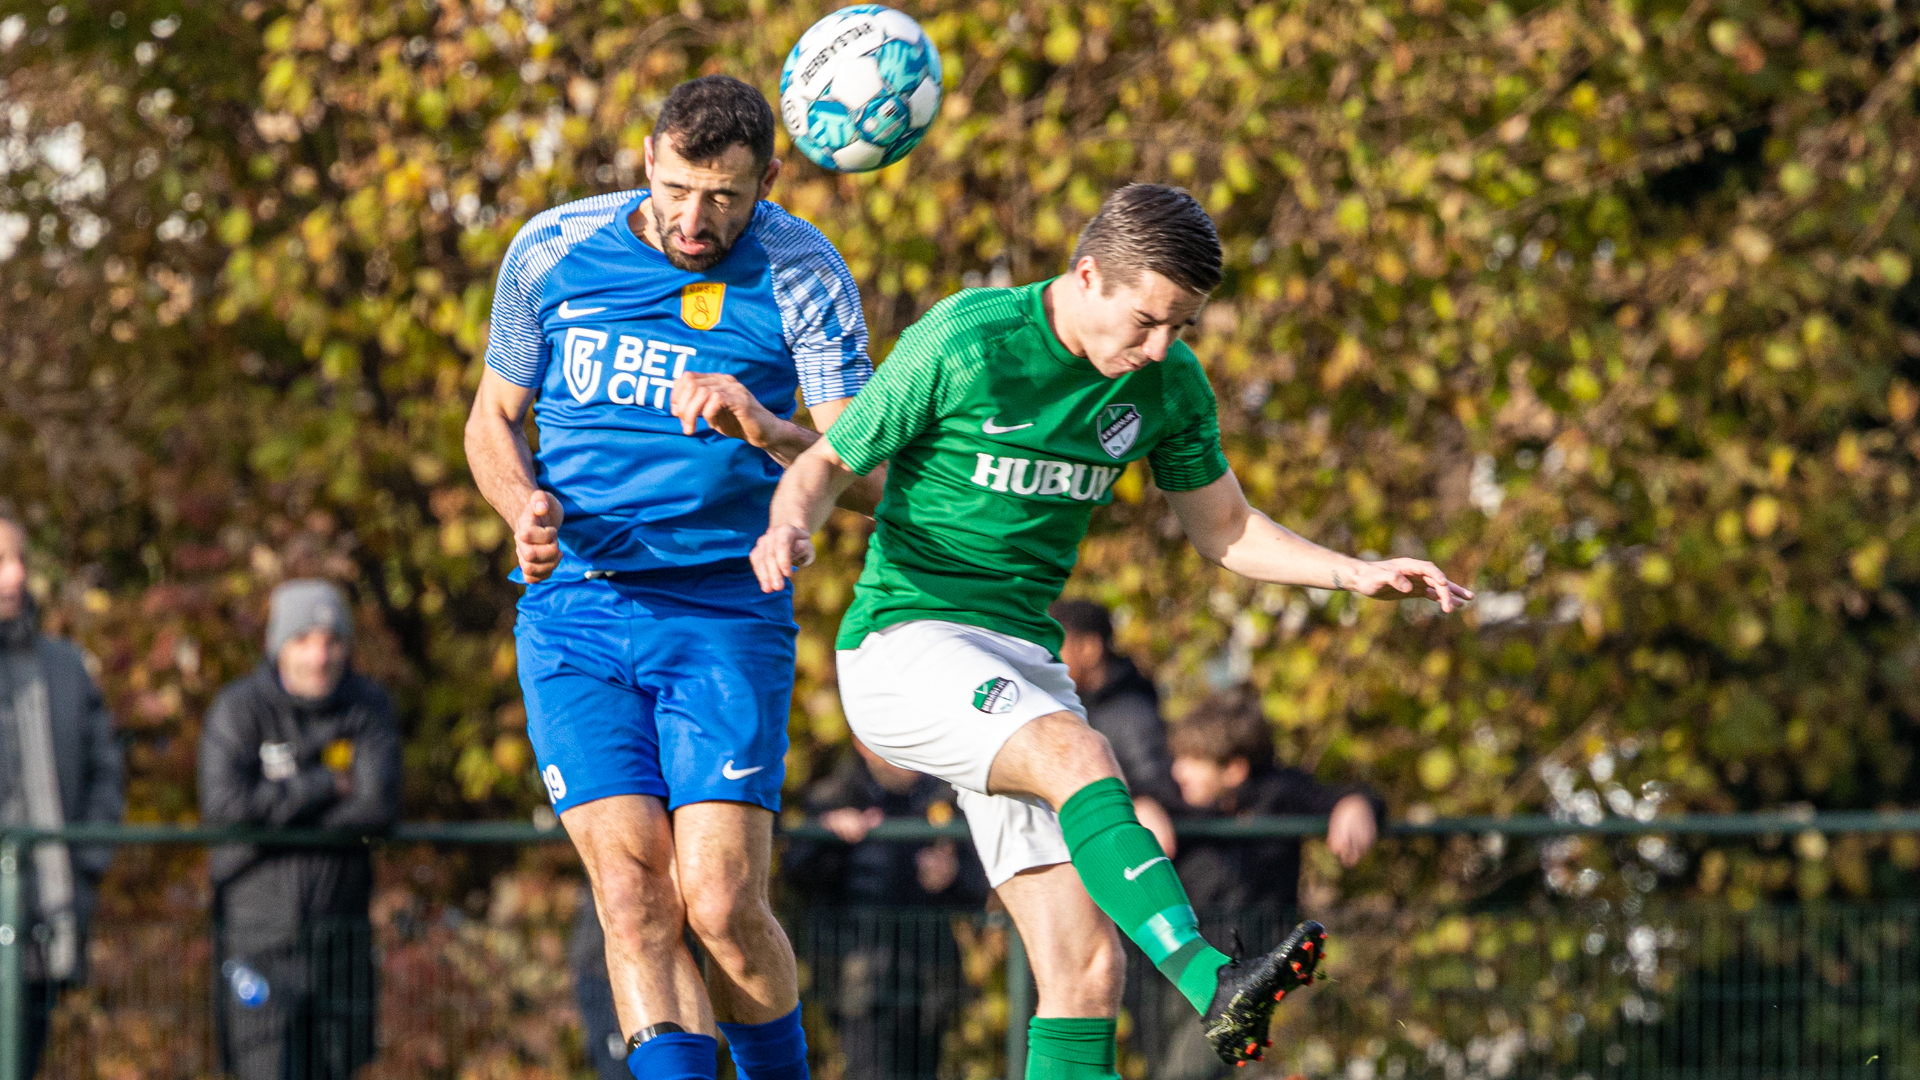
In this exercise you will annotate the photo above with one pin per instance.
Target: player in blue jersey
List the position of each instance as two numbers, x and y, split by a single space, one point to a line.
664 333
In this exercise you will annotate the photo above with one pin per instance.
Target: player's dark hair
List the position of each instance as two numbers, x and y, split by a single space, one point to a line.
1084 617
1223 727
1152 227
706 116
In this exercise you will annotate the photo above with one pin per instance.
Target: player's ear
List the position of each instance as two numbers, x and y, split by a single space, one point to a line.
1087 273
646 149
766 182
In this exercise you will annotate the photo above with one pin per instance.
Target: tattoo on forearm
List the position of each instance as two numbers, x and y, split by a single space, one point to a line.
1337 587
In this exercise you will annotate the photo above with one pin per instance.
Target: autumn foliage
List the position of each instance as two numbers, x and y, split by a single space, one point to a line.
1606 307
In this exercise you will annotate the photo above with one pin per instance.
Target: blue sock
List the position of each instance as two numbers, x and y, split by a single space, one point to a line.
677 1055
775 1050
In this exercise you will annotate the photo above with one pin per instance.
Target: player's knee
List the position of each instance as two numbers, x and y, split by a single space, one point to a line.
1080 755
723 913
636 905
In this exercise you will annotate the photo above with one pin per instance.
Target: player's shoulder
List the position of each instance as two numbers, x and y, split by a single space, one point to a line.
788 239
552 232
972 319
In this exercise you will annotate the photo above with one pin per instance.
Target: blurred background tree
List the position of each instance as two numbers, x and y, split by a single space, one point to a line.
1606 307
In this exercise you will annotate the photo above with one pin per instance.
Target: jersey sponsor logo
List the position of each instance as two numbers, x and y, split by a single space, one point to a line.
996 696
643 368
579 312
579 359
556 784
732 773
1028 476
1133 872
700 304
1119 426
991 428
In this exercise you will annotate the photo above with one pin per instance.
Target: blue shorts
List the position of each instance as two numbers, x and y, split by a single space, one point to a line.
673 683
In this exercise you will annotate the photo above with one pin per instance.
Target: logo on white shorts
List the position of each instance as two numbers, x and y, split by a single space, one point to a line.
732 773
556 784
996 696
1132 872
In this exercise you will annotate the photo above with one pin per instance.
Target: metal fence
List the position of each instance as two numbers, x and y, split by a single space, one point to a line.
1578 991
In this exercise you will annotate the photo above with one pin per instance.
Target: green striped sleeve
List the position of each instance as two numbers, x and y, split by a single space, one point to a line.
1189 457
894 407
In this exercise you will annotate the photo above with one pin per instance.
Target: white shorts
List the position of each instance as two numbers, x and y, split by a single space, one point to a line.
943 698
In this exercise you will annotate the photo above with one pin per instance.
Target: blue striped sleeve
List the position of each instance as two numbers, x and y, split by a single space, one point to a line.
516 350
820 313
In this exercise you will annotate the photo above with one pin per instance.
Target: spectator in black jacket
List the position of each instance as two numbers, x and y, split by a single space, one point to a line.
301 743
1223 760
1123 705
1224 763
59 765
891 1006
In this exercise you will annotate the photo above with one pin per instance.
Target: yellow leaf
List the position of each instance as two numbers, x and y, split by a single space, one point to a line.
1656 570
1062 44
1848 457
1894 267
1351 216
1763 516
1869 564
1437 768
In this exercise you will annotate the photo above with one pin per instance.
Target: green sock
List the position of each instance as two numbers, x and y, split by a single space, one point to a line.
1077 1048
1133 881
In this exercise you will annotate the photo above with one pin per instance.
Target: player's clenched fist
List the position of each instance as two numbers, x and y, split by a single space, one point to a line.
724 403
536 537
780 551
1399 579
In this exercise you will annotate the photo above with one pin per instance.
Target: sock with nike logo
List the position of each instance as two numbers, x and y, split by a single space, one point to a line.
1133 881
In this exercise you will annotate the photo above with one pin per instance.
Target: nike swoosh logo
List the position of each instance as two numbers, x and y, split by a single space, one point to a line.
992 428
731 773
1134 872
579 312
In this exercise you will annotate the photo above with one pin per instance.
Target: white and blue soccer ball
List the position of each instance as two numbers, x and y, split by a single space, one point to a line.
860 88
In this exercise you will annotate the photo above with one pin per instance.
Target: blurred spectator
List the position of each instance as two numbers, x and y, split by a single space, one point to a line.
891 1004
1123 705
593 992
1223 760
303 742
59 764
1224 763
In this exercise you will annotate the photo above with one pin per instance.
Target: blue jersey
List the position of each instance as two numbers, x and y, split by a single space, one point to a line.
600 323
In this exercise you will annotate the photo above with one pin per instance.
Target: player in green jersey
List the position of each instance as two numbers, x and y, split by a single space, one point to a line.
1005 416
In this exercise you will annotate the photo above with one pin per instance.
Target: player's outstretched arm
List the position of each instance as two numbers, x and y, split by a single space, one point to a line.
1232 534
730 408
502 465
800 506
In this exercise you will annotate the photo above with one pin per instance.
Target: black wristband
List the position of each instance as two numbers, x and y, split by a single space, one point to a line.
664 1027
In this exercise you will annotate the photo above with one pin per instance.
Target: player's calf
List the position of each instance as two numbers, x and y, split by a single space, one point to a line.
725 852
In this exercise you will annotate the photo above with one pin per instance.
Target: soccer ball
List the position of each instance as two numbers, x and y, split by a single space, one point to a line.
860 88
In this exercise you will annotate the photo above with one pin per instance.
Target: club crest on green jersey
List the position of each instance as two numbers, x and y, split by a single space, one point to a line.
996 695
1119 426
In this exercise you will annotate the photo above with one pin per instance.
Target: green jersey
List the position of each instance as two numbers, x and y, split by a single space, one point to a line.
1000 443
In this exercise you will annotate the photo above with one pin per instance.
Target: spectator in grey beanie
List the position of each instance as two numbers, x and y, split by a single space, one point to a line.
304 742
59 764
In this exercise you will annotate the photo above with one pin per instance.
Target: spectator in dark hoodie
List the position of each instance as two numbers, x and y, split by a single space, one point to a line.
1223 760
1123 705
303 742
891 1007
59 765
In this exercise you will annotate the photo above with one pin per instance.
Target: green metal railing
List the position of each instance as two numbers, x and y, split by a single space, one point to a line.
16 843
